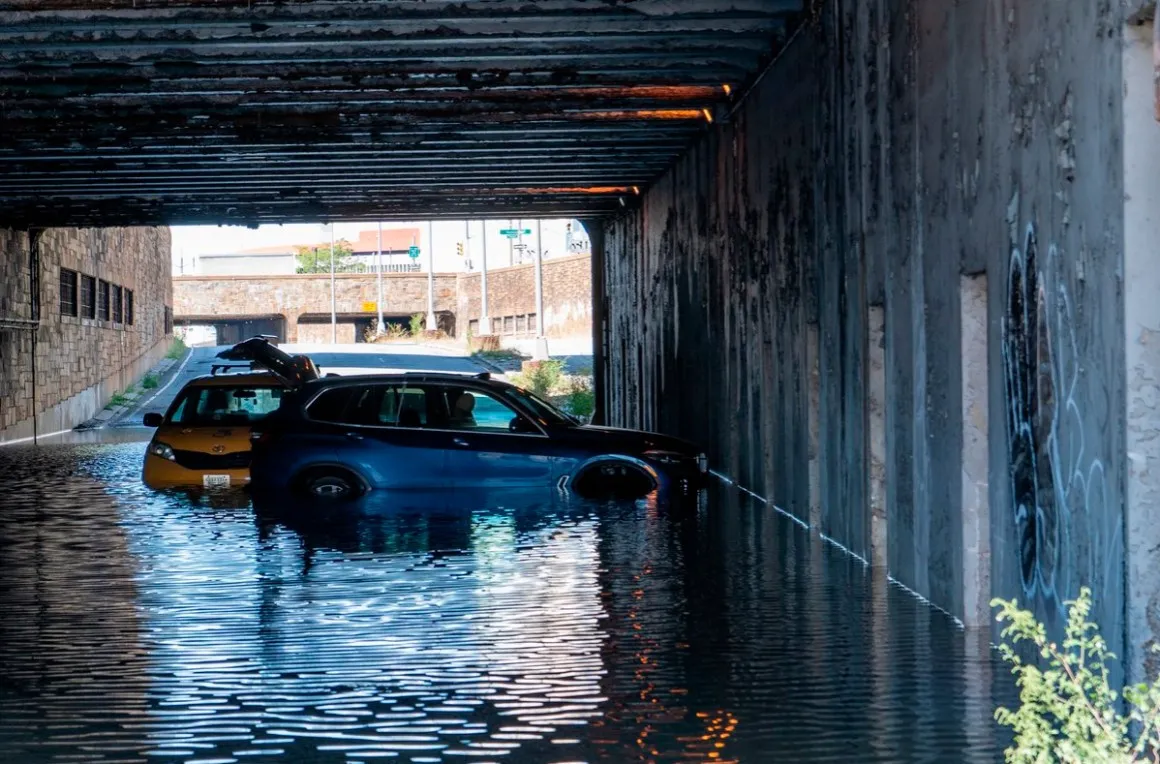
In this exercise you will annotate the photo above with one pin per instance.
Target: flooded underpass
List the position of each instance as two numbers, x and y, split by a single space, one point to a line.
143 626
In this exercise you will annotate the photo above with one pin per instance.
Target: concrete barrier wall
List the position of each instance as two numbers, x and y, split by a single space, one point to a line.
80 362
927 198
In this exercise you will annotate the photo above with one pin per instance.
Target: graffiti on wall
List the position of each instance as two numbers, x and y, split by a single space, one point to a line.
1058 486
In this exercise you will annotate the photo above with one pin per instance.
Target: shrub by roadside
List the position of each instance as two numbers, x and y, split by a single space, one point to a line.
1069 713
177 349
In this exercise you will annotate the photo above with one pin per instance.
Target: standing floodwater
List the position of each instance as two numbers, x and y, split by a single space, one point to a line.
152 627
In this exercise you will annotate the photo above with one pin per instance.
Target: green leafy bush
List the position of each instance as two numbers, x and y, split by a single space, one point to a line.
541 377
580 400
177 349
1069 712
417 322
390 332
150 381
502 354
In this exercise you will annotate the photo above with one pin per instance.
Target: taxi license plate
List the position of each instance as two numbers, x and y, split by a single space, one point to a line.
213 481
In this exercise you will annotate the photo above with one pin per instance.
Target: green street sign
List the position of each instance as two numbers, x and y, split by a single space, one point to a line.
413 251
513 233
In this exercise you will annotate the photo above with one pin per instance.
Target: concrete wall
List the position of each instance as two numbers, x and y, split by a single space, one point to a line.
80 362
896 147
1142 346
511 292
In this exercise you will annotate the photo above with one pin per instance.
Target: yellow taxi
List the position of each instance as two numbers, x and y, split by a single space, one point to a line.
204 437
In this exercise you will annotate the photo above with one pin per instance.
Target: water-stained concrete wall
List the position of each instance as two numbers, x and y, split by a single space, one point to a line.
903 154
61 357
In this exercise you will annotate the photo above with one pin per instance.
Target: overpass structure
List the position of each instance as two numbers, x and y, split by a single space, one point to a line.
890 259
297 308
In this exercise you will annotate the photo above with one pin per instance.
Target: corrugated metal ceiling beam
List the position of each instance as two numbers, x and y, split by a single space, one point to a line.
176 110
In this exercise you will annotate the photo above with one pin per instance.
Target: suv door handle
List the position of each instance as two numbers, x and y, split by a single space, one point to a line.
460 442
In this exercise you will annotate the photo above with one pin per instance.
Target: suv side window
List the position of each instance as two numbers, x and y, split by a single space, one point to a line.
479 411
403 406
372 406
330 405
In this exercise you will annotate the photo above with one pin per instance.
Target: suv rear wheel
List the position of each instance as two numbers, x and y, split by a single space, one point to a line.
330 483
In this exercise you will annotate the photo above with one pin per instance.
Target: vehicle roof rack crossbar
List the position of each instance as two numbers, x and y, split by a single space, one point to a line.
219 367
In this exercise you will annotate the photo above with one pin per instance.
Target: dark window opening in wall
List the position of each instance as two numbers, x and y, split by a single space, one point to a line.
129 306
118 305
168 320
521 324
68 292
509 324
532 322
103 300
473 327
88 297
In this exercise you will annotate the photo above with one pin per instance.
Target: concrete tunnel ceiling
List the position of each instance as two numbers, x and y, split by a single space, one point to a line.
122 112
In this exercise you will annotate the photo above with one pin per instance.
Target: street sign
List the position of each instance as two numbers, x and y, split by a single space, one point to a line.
413 251
513 233
370 307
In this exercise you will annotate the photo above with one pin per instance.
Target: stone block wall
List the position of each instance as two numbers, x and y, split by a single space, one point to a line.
321 334
511 292
80 362
896 151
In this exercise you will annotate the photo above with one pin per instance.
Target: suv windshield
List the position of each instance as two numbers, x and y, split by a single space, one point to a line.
540 407
216 405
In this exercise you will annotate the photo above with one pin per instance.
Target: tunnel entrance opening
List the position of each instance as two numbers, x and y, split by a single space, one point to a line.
233 330
359 327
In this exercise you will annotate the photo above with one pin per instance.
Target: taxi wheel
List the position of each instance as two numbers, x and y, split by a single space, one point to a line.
331 484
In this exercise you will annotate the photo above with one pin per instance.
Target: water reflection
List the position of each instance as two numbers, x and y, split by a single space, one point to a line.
429 627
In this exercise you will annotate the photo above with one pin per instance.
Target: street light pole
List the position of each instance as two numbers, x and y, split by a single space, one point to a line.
380 264
484 319
541 353
333 296
431 326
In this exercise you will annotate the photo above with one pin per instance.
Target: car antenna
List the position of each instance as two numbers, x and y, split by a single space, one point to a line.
483 375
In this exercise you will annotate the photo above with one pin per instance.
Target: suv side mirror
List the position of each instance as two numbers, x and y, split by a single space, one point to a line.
153 419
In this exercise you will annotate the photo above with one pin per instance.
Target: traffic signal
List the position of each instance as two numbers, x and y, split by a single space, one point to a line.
459 248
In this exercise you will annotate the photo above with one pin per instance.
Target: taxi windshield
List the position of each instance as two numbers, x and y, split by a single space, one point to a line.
217 405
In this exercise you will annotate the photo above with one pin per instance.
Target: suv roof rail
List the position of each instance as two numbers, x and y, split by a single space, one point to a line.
217 367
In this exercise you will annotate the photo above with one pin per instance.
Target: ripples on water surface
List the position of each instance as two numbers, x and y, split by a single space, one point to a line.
148 627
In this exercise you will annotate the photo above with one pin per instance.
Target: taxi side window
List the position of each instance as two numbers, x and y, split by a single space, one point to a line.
179 412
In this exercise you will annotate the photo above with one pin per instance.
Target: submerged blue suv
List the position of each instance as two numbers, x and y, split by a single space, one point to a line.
339 437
